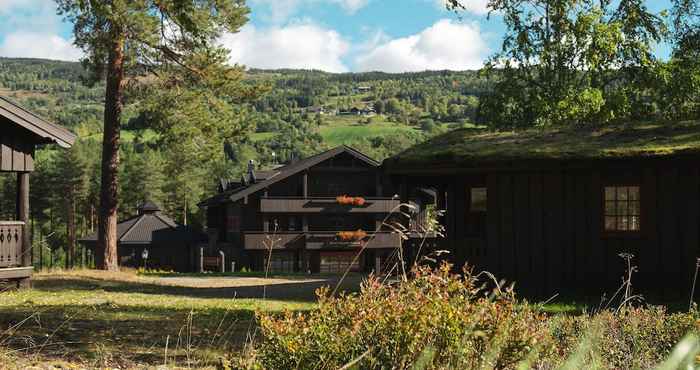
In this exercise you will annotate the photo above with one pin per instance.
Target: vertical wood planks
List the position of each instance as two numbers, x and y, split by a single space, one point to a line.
537 245
16 154
522 245
581 230
505 198
689 204
649 253
670 255
493 249
597 252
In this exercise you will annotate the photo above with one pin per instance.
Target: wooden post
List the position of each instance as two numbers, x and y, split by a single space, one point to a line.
201 259
223 259
378 183
305 184
23 215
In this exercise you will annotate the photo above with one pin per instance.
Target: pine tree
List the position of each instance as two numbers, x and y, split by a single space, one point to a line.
125 39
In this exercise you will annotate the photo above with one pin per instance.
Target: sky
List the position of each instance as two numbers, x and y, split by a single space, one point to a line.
329 35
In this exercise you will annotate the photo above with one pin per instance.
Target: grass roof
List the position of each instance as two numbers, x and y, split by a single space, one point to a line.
465 147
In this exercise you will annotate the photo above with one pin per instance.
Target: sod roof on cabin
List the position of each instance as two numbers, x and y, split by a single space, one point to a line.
472 147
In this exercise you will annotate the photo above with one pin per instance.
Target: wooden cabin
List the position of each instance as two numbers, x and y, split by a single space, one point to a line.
294 211
553 209
169 245
20 133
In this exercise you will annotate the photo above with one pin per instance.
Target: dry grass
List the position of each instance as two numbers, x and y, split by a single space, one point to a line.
98 319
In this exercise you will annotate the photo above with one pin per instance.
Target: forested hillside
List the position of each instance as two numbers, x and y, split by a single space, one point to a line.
300 113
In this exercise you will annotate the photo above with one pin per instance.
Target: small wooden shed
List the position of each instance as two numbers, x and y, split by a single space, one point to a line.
553 209
170 246
20 133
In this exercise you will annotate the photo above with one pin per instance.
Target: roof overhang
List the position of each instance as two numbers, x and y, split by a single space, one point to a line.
46 131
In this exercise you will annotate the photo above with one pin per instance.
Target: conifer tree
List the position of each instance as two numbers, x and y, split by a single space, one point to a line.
126 40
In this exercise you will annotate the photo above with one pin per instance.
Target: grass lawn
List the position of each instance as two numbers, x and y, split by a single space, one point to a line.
99 319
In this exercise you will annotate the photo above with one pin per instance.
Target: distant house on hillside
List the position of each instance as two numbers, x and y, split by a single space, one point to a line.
363 89
313 214
169 245
20 133
553 209
367 111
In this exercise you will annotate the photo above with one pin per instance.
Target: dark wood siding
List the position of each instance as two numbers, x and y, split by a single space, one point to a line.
545 229
16 151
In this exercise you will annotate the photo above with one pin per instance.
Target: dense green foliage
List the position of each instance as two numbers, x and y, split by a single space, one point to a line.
572 62
439 320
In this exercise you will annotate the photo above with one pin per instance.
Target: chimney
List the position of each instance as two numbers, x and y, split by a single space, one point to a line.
251 171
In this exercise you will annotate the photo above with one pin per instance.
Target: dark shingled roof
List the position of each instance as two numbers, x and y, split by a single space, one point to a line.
476 147
47 131
149 207
272 176
148 228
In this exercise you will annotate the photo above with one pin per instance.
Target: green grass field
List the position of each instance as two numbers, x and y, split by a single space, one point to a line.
92 319
338 130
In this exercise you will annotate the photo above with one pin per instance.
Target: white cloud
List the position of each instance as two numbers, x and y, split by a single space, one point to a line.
303 45
30 29
477 7
38 45
351 6
281 10
444 45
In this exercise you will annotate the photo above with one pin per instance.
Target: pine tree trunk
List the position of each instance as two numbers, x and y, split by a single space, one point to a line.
107 224
71 230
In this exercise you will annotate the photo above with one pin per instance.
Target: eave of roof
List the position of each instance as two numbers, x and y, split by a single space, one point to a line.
477 147
287 171
48 131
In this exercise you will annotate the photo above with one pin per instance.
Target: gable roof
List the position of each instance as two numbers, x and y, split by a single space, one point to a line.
284 172
477 147
148 228
47 131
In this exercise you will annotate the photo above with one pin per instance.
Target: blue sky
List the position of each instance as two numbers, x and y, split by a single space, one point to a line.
332 35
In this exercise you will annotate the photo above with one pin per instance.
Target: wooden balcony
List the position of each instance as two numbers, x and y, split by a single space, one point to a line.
281 240
316 240
11 243
325 240
325 205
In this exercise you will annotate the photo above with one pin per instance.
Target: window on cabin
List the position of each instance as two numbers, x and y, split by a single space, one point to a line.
477 200
338 262
622 209
233 220
280 262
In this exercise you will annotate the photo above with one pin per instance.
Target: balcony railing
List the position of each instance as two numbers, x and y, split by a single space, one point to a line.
325 205
281 240
317 240
11 243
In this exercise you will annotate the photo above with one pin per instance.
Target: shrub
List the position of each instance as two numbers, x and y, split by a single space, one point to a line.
437 313
633 337
440 320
